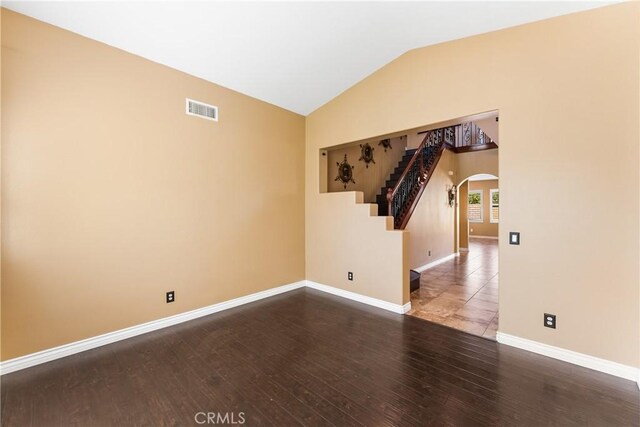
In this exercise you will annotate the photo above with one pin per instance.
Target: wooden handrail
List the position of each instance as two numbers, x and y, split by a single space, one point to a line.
401 206
392 192
423 185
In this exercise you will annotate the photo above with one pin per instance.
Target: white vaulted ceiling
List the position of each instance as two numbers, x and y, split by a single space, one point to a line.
297 55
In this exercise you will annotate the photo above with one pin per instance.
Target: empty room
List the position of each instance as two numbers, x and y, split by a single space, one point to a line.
320 213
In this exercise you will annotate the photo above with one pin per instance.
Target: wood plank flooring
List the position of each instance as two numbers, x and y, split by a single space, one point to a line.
308 358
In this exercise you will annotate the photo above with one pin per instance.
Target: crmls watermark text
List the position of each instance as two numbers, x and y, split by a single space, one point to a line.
219 418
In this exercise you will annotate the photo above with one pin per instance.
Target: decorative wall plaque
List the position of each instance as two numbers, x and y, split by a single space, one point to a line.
452 195
345 172
386 143
366 154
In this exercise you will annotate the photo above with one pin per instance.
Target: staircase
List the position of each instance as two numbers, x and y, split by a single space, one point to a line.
381 198
401 193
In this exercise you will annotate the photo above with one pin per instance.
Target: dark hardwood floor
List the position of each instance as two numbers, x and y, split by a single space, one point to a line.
308 358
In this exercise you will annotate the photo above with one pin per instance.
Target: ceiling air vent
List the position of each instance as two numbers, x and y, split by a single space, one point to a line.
200 109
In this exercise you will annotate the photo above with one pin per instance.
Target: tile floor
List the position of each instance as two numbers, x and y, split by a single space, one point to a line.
462 293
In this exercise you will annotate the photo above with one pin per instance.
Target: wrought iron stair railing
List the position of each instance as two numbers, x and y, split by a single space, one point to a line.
470 137
400 197
403 197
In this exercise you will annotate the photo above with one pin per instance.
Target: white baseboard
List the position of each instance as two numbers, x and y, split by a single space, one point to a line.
580 359
437 262
473 236
396 308
48 355
12 365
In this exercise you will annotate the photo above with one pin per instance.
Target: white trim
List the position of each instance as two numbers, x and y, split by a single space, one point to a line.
473 236
580 359
602 365
463 249
492 220
48 355
439 261
33 359
396 308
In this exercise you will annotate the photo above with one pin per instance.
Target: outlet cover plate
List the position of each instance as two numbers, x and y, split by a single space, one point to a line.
550 320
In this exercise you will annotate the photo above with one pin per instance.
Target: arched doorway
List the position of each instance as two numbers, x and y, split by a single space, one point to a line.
478 209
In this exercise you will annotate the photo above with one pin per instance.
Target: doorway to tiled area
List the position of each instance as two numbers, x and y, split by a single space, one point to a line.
462 293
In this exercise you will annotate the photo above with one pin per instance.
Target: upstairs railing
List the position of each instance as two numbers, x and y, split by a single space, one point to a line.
402 198
469 136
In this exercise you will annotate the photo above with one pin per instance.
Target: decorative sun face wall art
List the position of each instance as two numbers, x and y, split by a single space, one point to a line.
366 154
345 172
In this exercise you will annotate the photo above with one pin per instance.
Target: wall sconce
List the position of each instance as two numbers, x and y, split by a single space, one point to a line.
452 195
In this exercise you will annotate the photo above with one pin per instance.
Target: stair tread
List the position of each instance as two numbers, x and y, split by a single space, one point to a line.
432 155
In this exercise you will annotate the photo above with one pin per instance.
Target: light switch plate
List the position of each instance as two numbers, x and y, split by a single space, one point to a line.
514 238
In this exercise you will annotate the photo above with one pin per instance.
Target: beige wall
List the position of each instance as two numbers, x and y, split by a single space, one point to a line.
112 196
431 227
486 227
490 127
343 253
547 80
475 163
1 16
414 139
463 226
67 175
368 180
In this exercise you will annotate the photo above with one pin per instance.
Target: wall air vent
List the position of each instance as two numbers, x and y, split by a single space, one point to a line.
200 109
